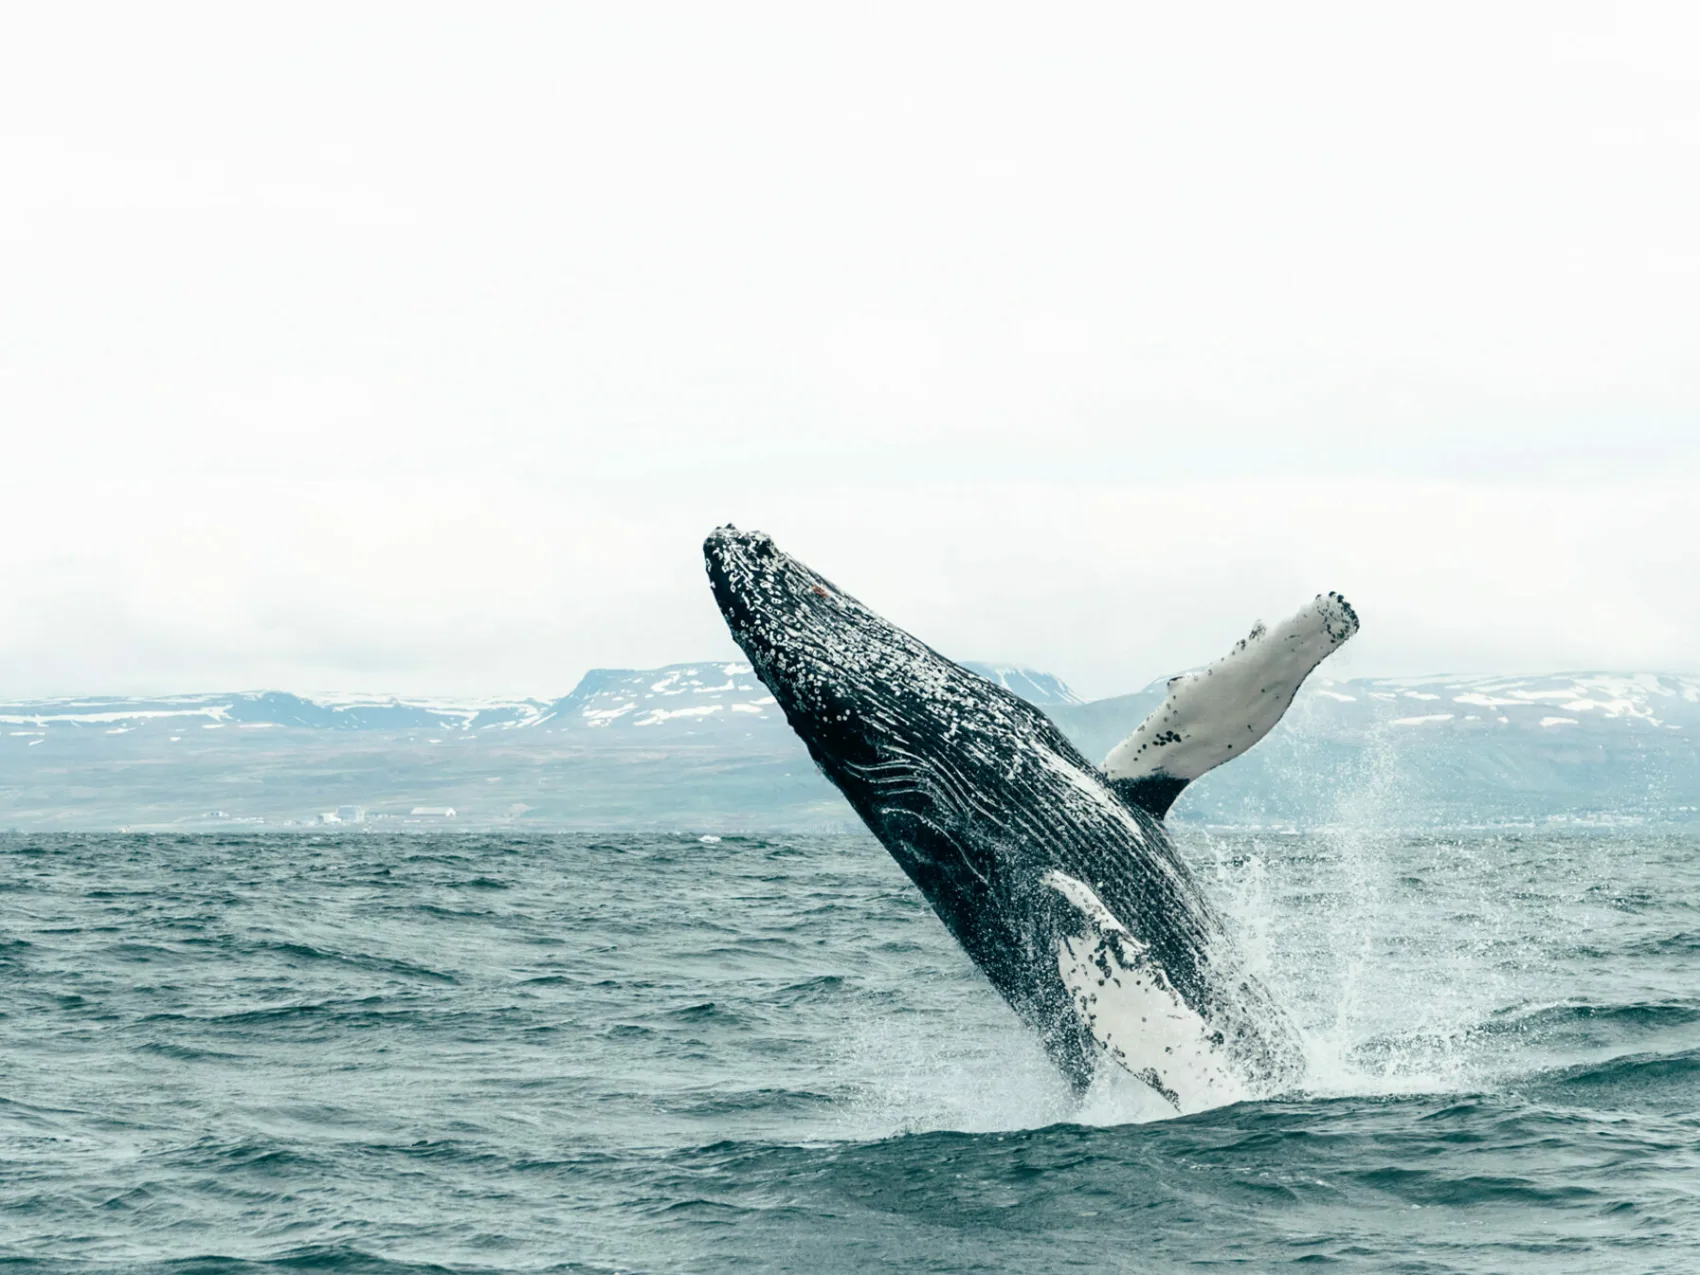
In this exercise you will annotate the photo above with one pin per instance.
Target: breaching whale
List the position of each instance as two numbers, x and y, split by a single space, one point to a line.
1056 876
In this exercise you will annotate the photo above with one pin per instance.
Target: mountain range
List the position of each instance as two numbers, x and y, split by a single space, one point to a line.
704 745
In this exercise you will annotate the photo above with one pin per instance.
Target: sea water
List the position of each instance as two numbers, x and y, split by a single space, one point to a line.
476 1052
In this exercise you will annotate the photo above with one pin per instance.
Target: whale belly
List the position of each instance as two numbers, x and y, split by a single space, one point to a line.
1133 1014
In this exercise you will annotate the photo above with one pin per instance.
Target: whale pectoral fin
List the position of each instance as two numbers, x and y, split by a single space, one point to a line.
1217 713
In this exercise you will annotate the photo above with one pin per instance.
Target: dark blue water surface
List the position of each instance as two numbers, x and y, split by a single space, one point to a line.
513 1053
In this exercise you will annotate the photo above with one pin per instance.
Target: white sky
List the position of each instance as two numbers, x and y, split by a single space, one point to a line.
415 348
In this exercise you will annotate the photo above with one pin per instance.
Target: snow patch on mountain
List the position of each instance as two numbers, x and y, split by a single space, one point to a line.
1652 699
696 695
1042 690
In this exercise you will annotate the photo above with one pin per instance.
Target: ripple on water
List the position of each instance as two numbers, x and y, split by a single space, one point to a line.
463 1053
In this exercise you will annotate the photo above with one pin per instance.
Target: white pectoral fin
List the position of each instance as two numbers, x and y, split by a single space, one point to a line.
1217 713
1132 1012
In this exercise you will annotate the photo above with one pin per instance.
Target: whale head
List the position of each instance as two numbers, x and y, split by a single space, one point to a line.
893 723
846 678
919 745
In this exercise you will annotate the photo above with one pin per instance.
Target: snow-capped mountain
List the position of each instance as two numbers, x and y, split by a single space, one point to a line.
1551 703
1452 746
268 708
674 698
704 743
1043 690
1443 706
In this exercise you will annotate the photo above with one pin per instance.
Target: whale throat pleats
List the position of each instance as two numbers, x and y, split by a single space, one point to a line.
1218 712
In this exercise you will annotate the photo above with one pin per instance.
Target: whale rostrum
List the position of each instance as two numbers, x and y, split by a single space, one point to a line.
1058 878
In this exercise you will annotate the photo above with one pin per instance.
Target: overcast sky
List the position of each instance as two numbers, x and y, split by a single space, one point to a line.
415 348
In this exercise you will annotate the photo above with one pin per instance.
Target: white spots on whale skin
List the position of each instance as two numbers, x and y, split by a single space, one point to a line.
1133 1014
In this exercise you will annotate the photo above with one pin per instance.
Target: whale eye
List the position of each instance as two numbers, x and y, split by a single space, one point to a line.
821 591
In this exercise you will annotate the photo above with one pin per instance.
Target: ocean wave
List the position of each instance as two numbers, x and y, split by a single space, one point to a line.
651 1053
1593 1021
1662 1081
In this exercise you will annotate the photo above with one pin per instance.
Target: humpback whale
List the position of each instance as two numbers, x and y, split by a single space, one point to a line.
1056 876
